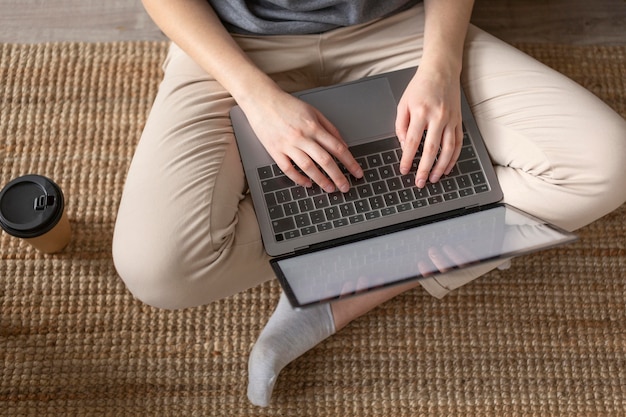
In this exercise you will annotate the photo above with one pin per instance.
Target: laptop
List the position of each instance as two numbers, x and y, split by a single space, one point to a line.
384 230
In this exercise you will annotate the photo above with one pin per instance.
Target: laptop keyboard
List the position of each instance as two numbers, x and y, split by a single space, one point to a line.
297 211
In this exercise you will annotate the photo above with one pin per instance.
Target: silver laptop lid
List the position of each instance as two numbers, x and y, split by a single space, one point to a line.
410 253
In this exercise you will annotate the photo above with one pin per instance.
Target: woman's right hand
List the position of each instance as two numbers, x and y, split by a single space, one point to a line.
295 133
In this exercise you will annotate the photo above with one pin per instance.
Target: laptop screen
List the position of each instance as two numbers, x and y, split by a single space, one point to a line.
413 253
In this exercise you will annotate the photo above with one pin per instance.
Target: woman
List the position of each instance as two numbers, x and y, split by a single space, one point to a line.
186 233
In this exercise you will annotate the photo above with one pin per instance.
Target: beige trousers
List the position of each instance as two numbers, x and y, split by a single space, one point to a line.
186 233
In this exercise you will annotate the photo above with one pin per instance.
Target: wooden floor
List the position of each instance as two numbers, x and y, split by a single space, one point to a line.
558 21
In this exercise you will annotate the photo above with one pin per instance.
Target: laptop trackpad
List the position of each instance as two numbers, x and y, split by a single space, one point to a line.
413 253
360 110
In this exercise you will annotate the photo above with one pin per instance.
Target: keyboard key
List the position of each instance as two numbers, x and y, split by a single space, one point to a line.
434 188
302 220
463 181
466 192
420 203
355 182
351 195
292 234
377 202
265 172
324 226
408 180
277 171
481 189
386 172
361 206
347 209
306 205
340 223
467 152
451 196
391 199
478 178
372 215
283 196
278 183
332 213
365 191
388 211
276 212
406 195
335 198
314 190
356 219
283 225
389 157
374 161
435 200
448 184
362 162
308 230
321 201
420 192
404 207
298 192
291 209
371 175
466 138
317 216
394 184
380 187
270 199
468 166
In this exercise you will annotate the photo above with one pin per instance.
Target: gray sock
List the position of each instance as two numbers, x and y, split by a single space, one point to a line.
288 334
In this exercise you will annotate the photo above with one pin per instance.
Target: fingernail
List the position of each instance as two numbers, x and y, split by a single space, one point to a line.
330 188
434 178
345 188
421 183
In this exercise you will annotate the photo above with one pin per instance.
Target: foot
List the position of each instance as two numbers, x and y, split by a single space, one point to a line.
288 334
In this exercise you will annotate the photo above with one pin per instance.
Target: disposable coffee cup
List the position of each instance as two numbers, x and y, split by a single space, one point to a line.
32 208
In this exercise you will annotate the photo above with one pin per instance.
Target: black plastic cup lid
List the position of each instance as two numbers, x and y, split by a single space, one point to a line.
30 206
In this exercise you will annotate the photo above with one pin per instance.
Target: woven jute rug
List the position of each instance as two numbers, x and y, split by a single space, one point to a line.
546 337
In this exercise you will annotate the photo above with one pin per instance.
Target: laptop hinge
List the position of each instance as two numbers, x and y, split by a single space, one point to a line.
301 249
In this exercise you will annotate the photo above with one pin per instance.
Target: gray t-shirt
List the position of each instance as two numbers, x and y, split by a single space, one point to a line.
297 17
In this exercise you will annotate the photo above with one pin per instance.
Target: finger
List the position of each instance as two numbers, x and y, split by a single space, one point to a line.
339 148
362 284
432 142
414 136
446 154
457 150
329 146
460 255
285 165
402 124
331 177
426 268
347 289
305 160
441 262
